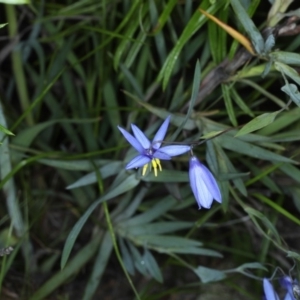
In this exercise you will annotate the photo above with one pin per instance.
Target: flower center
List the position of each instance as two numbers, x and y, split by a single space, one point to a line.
155 164
149 152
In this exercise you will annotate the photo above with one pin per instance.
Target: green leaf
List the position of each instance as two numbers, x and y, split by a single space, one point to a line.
99 266
165 15
158 228
166 176
106 171
3 25
270 231
26 136
6 131
211 134
15 2
288 58
110 98
209 275
168 241
258 123
284 120
278 208
254 265
249 26
152 266
154 212
190 29
138 260
75 165
292 91
269 44
195 91
74 266
287 70
131 29
129 183
293 255
291 171
251 150
176 119
228 104
9 187
126 257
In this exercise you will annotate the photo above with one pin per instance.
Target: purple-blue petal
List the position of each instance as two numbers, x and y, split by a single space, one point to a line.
211 184
161 155
289 297
160 134
286 282
132 140
269 291
140 136
138 161
175 150
202 194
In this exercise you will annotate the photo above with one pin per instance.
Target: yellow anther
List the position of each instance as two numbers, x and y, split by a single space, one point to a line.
158 163
154 165
144 169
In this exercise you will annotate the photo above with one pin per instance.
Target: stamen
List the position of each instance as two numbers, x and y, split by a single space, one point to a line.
154 164
158 163
144 169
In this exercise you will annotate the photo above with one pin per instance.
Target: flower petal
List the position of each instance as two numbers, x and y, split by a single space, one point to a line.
175 150
269 291
132 140
288 297
161 155
137 162
286 282
160 134
289 285
202 194
140 136
211 184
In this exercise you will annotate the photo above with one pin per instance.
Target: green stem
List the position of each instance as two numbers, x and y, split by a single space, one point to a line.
17 63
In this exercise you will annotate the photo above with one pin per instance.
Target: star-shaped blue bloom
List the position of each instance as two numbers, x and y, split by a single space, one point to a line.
151 153
203 184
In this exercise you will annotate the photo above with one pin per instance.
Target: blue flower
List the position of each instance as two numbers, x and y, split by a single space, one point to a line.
292 286
203 184
151 153
286 282
269 291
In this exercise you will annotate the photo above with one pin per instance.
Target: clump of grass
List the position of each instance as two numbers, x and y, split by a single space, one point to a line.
77 220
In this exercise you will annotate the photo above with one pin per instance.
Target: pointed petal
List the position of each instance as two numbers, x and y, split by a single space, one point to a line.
132 140
175 150
140 137
288 297
269 291
160 134
199 188
211 184
138 161
161 155
286 282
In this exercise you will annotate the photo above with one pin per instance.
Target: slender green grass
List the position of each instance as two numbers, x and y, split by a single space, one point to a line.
87 227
